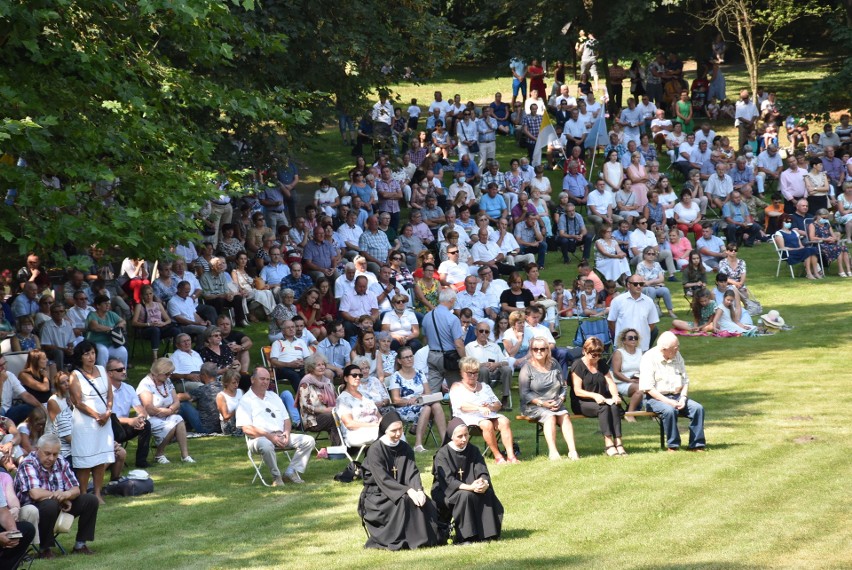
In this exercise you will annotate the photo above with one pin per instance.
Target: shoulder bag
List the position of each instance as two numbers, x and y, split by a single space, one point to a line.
451 357
117 428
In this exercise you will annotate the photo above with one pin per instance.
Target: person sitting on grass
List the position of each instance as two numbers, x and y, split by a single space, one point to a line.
703 309
462 489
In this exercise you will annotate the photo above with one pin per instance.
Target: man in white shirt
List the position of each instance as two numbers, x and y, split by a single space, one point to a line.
631 119
744 117
439 103
494 365
648 110
288 356
384 290
350 232
124 397
187 364
491 287
450 216
642 237
699 155
705 133
357 303
711 248
11 389
453 271
182 310
600 206
769 166
485 253
720 186
508 245
345 282
574 132
477 302
660 127
563 96
382 115
263 418
534 99
633 310
684 150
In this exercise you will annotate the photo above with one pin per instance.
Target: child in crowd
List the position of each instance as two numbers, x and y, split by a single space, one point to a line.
413 115
609 293
587 301
564 303
712 109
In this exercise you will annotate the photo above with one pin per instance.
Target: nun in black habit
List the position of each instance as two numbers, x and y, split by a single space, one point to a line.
462 489
396 512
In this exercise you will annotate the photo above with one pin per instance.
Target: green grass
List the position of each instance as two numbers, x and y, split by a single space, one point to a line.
772 491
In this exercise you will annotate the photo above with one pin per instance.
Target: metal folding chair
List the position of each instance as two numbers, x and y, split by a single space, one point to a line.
258 464
337 422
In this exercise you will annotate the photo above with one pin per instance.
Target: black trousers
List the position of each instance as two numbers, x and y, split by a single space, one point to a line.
292 375
84 507
236 303
143 440
609 416
11 557
325 422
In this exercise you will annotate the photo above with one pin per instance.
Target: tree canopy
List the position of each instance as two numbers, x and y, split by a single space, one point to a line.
133 105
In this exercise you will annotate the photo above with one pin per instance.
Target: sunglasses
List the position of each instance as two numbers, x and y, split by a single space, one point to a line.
637 283
399 302
631 337
595 353
453 252
356 375
483 331
540 349
117 370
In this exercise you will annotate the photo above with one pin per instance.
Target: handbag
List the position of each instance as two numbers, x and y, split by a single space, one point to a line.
117 336
473 147
451 357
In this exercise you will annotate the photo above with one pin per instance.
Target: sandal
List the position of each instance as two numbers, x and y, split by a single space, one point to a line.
614 452
620 449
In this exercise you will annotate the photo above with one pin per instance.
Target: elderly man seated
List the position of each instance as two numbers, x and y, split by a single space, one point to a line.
216 291
187 363
663 378
264 419
288 356
493 363
471 298
46 485
183 311
357 303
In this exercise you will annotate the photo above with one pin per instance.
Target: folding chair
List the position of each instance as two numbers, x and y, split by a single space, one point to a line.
598 328
258 464
782 257
265 357
807 241
343 439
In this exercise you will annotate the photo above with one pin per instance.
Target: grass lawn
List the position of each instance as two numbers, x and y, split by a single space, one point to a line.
772 490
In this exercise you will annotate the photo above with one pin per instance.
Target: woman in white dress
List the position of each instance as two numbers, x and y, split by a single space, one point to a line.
158 395
91 432
610 259
612 171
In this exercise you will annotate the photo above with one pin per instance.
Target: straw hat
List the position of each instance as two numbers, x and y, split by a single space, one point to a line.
772 319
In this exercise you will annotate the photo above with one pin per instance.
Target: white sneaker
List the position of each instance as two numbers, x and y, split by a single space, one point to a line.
420 449
161 459
293 476
188 459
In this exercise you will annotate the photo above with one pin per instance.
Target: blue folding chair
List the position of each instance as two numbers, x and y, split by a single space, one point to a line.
598 328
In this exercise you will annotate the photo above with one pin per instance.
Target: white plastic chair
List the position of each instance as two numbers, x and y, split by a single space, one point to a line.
345 445
782 258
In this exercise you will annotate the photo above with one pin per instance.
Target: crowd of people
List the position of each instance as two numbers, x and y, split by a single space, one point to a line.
404 292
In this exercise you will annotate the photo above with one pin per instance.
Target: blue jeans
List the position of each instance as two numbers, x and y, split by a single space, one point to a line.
519 85
190 416
287 398
669 414
540 251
